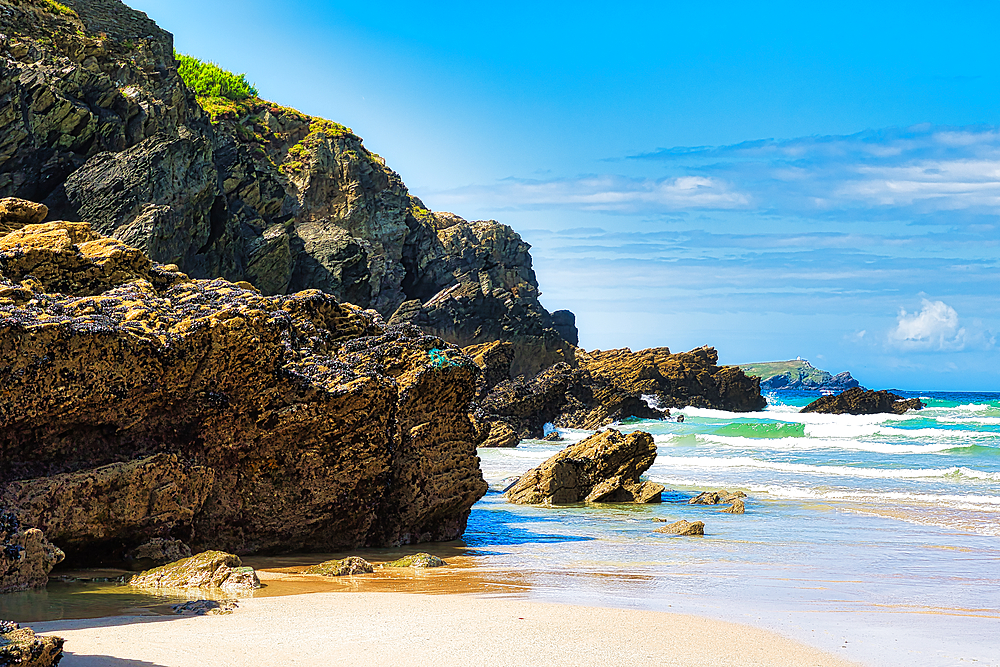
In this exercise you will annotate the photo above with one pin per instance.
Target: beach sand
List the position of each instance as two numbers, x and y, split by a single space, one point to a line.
401 629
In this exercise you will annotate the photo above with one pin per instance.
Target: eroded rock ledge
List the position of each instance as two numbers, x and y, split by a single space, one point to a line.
861 401
141 405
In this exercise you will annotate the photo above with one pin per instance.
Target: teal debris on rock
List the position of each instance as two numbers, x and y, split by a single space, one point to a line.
439 358
417 560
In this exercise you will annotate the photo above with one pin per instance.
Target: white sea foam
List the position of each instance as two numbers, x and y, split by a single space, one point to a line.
714 463
979 502
806 444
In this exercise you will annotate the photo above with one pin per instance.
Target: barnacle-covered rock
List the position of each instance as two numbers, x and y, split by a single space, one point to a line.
26 557
140 404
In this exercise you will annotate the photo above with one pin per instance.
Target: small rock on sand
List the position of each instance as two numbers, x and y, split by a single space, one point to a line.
683 527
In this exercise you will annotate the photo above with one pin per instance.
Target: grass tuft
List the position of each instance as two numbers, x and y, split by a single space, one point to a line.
211 81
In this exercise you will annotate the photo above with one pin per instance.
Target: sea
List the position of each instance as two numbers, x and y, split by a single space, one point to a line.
873 537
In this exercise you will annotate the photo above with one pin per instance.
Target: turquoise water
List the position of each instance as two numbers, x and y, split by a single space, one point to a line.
876 537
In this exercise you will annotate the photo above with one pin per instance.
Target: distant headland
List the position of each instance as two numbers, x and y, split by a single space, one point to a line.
797 374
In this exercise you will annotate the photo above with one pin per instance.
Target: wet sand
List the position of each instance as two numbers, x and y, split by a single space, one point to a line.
402 629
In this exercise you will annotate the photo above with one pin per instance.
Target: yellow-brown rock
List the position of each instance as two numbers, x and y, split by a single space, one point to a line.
604 467
211 569
21 647
683 527
16 213
26 556
203 411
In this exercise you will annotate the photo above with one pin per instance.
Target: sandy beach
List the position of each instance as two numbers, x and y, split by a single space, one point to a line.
401 629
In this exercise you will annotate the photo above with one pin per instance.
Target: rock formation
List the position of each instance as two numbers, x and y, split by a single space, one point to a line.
141 404
604 387
797 375
417 560
26 557
342 567
861 401
211 569
21 647
716 497
100 126
683 527
604 467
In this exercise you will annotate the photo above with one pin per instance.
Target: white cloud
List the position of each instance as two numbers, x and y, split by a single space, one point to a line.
601 193
934 327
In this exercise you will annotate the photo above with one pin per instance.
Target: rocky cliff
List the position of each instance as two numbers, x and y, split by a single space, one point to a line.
798 375
96 121
139 404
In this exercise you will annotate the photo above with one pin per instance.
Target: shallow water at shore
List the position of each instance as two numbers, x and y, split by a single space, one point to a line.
872 537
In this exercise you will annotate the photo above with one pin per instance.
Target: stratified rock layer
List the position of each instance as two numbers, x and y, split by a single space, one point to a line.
139 404
861 401
604 467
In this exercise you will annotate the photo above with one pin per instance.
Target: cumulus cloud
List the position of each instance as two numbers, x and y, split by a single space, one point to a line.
934 327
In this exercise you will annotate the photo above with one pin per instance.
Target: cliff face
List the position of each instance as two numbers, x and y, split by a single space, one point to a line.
137 403
98 124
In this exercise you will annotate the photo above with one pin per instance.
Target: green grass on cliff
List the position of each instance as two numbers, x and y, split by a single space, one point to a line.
796 369
58 7
211 81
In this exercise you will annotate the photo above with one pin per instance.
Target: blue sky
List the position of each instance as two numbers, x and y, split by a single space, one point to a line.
772 179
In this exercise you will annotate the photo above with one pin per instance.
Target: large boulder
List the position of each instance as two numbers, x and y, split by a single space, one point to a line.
861 401
141 404
604 467
26 557
21 647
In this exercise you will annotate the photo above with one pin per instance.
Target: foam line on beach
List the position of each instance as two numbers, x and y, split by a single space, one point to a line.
715 463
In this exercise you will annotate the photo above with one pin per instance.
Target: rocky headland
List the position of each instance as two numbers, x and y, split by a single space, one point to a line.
798 375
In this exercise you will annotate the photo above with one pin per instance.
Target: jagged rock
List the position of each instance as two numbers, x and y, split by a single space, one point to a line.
205 608
861 401
553 437
211 569
683 527
606 387
342 567
158 551
21 647
417 560
500 435
564 322
26 557
494 359
101 128
602 468
206 412
716 497
737 507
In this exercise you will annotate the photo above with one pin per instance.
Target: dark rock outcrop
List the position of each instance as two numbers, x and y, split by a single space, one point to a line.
26 556
604 467
100 126
21 647
861 401
211 569
605 387
142 404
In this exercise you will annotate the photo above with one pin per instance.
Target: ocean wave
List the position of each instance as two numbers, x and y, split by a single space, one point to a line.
982 502
806 444
714 463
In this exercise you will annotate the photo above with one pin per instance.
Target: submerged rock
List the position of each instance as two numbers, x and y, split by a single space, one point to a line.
861 401
21 647
342 567
716 497
604 467
683 527
737 507
141 405
26 556
211 569
417 560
